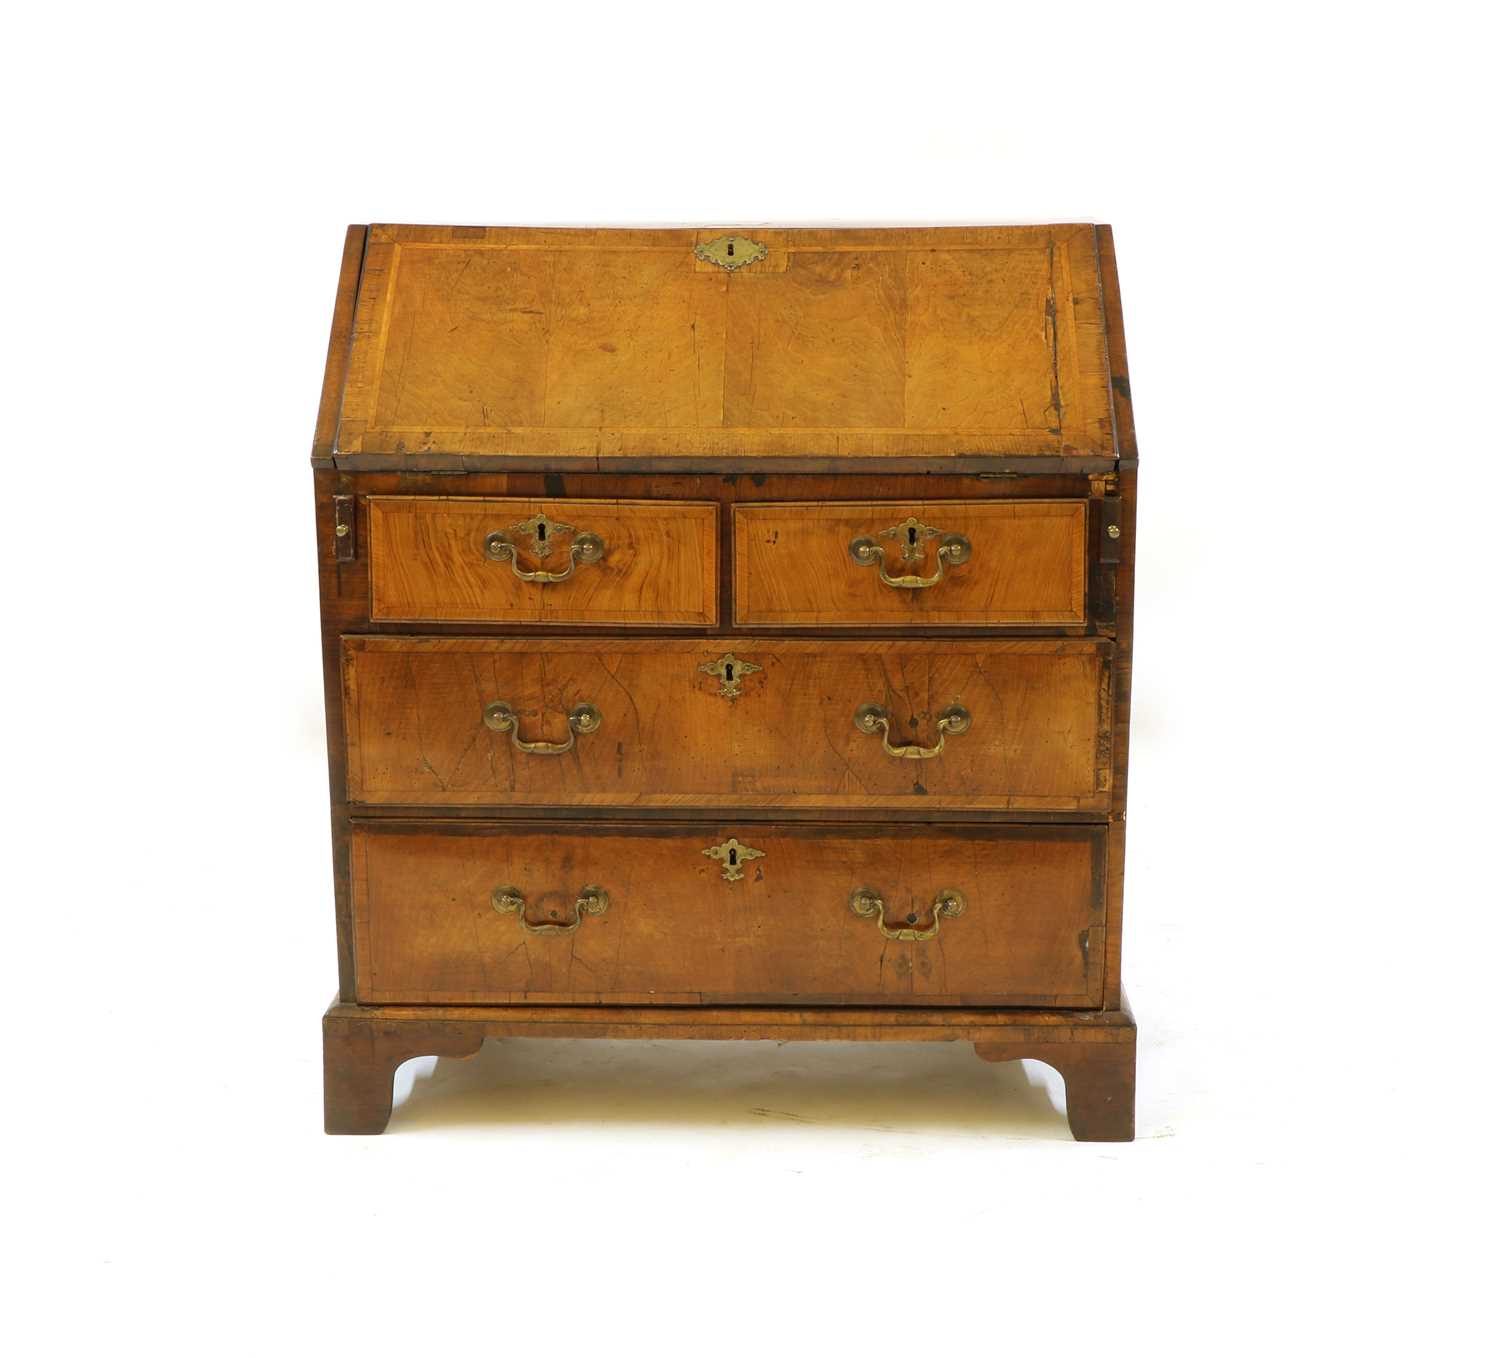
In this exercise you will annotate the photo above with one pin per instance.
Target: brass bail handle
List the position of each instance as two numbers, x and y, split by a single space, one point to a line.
871 718
586 548
947 904
508 900
583 720
953 550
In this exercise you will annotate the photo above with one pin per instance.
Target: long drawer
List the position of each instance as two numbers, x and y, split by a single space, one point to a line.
725 913
521 724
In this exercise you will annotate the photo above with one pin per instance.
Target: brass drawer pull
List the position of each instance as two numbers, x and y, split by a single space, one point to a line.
952 721
586 548
865 902
508 900
583 720
953 550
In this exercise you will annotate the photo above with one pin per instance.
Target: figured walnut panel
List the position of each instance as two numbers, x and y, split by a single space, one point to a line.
931 342
676 932
1040 738
428 563
792 566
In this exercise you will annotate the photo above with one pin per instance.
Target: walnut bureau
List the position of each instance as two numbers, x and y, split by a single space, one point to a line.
727 634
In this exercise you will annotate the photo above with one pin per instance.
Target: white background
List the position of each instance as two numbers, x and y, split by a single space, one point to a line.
1300 196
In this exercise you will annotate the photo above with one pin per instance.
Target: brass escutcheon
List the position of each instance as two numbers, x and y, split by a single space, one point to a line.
508 900
947 904
731 252
730 669
733 855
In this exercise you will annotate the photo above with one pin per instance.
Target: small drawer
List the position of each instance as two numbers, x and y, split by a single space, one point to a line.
620 562
729 914
938 563
661 722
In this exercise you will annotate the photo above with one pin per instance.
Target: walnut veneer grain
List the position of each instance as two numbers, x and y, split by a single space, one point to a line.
678 930
669 735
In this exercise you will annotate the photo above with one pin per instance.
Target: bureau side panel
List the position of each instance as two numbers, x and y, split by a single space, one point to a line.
340 335
341 586
1124 583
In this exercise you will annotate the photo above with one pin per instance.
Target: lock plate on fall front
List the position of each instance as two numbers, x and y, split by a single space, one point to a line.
731 252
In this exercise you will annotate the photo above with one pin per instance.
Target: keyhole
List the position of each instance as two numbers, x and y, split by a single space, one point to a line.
911 536
730 250
541 532
734 858
729 673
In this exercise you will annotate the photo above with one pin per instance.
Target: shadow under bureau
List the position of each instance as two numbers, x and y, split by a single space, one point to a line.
727 634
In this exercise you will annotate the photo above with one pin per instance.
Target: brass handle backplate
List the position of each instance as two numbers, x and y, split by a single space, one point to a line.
872 719
586 548
508 900
583 720
947 904
953 550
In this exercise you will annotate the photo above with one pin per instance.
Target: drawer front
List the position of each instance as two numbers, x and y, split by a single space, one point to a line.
636 562
807 915
937 725
951 563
